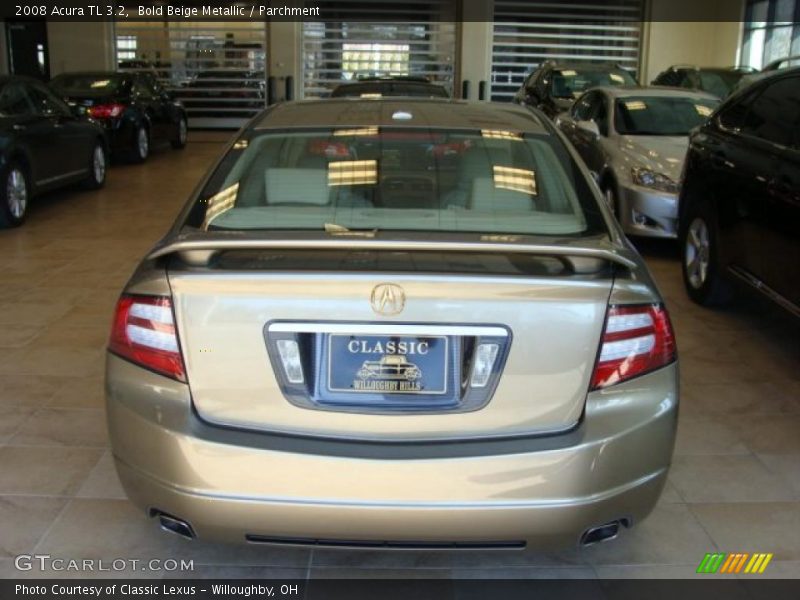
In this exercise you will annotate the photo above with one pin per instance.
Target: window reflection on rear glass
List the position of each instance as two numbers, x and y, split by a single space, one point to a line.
399 179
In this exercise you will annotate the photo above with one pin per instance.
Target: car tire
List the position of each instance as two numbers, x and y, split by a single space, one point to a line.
700 258
98 167
140 147
15 193
181 134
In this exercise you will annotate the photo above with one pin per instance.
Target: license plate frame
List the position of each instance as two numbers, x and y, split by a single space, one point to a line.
390 372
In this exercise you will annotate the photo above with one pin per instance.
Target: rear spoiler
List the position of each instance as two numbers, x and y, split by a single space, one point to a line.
198 252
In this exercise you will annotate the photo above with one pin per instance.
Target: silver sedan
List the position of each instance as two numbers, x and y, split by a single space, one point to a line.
634 140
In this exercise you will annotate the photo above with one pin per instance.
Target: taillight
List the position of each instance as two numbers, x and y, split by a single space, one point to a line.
144 332
636 339
106 111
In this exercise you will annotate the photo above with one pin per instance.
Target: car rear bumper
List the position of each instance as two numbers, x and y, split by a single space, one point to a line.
121 134
657 212
543 491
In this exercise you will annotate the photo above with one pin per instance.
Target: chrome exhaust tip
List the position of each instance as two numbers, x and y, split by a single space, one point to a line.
603 533
173 525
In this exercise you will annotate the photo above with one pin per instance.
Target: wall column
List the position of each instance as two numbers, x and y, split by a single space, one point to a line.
475 59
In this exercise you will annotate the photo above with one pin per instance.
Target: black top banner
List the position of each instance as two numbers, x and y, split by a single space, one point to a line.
362 10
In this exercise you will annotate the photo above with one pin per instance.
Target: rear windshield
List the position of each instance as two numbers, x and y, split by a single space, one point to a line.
389 88
399 179
662 115
92 84
719 83
569 83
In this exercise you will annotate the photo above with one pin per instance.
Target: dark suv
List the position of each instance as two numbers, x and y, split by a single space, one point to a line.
719 81
739 206
553 87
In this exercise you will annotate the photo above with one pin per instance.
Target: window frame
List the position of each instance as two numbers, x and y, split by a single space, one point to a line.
763 89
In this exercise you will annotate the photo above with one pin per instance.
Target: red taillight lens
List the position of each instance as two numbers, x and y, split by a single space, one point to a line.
636 339
144 332
106 111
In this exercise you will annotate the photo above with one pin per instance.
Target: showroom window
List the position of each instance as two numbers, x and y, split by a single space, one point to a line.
529 32
771 32
359 39
126 47
217 69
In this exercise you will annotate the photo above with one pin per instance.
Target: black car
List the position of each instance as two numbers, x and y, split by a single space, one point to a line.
390 86
719 81
43 145
739 206
553 87
134 108
225 93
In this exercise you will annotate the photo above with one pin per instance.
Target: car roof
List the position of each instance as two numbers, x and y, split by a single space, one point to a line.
733 69
584 66
626 91
96 74
6 78
437 113
406 78
391 87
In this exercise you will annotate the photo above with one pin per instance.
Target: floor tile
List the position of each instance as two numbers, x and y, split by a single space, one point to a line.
17 336
785 466
464 559
32 313
670 494
525 573
707 435
379 573
264 573
742 398
768 434
753 527
79 392
727 479
23 520
686 571
103 481
11 418
44 470
107 529
27 390
253 555
84 427
76 336
776 569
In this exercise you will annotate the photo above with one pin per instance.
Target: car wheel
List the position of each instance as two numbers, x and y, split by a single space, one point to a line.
699 242
15 194
141 144
98 167
181 134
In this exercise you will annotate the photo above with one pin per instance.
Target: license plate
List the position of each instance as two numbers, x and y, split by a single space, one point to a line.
387 364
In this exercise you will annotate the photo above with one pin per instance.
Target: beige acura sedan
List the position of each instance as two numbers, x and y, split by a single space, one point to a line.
394 323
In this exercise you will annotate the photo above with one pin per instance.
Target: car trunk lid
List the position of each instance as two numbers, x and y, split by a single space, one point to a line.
247 316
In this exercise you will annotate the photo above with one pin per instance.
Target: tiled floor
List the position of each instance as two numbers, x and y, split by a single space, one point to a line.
734 486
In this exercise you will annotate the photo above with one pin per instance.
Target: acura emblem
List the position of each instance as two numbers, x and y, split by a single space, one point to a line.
388 299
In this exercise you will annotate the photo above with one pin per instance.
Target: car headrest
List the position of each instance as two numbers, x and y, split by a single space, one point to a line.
487 197
296 186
